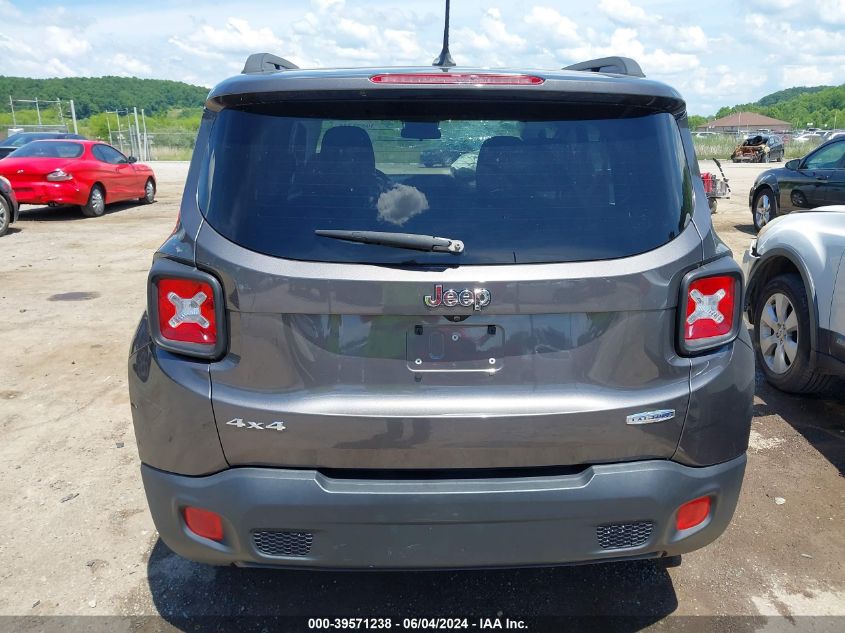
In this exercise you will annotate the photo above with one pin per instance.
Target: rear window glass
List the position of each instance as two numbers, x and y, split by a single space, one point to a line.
514 190
49 149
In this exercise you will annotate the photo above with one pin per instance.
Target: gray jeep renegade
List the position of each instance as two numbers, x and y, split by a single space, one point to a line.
533 356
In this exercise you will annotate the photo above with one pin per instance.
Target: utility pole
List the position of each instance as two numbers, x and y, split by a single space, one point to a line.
12 105
146 141
137 129
37 111
73 116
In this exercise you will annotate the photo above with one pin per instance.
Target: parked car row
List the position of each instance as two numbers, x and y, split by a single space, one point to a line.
71 171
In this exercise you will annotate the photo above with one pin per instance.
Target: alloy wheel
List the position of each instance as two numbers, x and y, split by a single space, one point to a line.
778 332
97 201
763 209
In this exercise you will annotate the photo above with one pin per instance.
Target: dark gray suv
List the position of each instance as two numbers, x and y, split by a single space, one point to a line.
352 360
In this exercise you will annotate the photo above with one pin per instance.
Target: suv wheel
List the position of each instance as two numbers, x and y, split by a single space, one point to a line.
782 336
765 208
96 205
5 216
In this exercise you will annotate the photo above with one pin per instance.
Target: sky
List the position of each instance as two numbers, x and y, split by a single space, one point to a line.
715 53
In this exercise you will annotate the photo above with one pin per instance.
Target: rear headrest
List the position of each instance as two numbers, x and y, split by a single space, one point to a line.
500 162
348 143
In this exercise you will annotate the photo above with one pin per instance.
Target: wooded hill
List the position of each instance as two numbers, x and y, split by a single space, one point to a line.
819 106
99 94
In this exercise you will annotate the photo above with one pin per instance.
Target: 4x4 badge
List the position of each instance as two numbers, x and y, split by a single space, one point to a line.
476 298
258 426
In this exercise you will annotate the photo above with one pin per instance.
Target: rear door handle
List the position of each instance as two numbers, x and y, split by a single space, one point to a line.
822 176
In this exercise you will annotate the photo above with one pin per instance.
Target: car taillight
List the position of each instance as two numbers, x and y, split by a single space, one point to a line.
710 307
59 175
477 79
185 308
186 311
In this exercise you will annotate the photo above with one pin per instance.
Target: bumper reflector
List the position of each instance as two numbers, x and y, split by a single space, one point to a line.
693 513
204 523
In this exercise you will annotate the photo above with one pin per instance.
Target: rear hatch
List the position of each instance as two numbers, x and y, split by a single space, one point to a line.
538 345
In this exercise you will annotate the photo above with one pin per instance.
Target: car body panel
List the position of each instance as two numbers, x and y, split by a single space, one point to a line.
28 177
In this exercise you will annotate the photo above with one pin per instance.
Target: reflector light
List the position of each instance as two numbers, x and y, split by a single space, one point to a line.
204 523
710 307
186 311
477 79
693 513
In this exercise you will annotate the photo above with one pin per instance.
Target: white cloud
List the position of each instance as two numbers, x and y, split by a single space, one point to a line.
805 76
550 22
129 66
624 12
67 42
7 9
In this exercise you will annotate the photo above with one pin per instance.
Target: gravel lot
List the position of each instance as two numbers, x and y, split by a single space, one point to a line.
76 538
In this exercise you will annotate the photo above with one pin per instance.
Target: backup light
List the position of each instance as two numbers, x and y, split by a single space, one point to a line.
476 79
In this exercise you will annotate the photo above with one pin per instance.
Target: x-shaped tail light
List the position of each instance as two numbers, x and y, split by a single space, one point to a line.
712 316
187 313
706 306
188 310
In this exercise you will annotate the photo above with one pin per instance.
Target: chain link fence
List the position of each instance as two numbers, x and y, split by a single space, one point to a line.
154 145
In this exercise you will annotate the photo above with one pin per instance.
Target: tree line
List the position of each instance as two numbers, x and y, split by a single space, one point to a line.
92 95
818 106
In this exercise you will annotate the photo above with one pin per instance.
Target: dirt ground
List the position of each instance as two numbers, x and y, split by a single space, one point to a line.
76 537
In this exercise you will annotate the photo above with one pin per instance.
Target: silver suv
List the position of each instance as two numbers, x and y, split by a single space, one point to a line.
354 360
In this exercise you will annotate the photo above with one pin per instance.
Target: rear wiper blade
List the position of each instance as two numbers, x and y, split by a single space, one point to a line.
411 241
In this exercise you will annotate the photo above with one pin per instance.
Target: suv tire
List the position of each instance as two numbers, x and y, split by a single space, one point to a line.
782 340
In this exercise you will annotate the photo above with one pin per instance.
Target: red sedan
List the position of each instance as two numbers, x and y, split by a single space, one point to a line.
89 174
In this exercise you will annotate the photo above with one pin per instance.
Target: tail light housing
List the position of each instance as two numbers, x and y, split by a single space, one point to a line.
710 308
186 310
59 175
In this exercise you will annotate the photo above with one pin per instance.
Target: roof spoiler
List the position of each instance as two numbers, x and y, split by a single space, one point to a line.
615 65
266 62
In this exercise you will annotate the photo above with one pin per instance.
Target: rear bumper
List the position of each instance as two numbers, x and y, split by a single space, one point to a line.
47 192
503 522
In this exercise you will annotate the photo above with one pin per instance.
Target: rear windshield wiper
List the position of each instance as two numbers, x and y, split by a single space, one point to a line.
398 240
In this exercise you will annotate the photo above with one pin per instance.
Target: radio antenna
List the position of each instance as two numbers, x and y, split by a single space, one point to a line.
445 59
